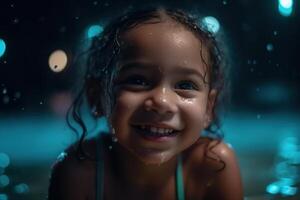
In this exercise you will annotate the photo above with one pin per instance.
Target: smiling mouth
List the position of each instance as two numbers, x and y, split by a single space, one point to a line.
153 132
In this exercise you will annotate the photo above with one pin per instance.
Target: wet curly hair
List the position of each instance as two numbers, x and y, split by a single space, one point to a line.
104 52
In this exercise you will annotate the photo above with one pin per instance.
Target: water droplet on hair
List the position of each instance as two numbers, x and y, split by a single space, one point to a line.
224 2
114 139
113 131
4 91
275 33
110 147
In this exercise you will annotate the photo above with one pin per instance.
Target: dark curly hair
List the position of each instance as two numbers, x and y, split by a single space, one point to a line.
104 52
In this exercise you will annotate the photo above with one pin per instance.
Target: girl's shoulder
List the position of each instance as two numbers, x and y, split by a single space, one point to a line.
72 177
213 165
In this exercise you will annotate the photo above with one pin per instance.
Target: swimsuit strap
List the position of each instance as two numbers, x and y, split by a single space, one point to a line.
179 180
99 169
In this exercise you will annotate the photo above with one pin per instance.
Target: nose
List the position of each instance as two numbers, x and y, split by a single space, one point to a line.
161 100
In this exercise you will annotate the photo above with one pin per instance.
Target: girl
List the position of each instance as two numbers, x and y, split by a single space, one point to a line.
157 77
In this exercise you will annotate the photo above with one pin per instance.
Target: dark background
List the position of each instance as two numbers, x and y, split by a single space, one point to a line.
265 101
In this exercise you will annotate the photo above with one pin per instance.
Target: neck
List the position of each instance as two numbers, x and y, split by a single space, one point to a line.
136 173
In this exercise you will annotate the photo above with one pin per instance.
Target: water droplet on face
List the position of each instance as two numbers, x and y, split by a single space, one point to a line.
187 100
162 158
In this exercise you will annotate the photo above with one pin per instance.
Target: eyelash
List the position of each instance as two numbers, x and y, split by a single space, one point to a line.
192 84
136 80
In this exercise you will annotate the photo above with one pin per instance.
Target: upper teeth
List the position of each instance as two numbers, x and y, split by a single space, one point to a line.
157 130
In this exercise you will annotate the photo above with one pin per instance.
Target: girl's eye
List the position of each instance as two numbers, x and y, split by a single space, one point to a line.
136 80
186 85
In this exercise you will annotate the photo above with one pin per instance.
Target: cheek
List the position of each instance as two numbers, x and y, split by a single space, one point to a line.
195 112
125 105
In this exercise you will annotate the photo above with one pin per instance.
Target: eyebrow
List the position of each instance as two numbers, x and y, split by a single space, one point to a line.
142 65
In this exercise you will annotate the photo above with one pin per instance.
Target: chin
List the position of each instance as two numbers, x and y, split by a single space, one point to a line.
153 156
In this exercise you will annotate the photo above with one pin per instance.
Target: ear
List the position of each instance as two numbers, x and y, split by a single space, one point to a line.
93 91
211 99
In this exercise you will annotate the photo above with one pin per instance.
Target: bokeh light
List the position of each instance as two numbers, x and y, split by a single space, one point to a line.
58 60
273 188
2 47
3 197
4 160
285 7
211 24
21 188
4 180
94 30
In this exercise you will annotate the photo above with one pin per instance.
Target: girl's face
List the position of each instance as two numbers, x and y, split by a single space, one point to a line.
162 100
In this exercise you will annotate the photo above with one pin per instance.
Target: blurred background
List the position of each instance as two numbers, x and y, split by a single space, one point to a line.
40 41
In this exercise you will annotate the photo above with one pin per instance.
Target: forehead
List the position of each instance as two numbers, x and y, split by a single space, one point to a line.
167 43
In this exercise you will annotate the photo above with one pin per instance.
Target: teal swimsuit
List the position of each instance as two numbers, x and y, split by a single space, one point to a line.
100 175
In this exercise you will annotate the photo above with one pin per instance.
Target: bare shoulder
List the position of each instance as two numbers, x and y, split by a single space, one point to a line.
216 159
71 177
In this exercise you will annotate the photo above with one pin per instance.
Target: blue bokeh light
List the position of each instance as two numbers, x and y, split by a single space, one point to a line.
3 197
4 160
4 180
94 30
285 7
211 24
2 47
21 188
272 93
273 188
